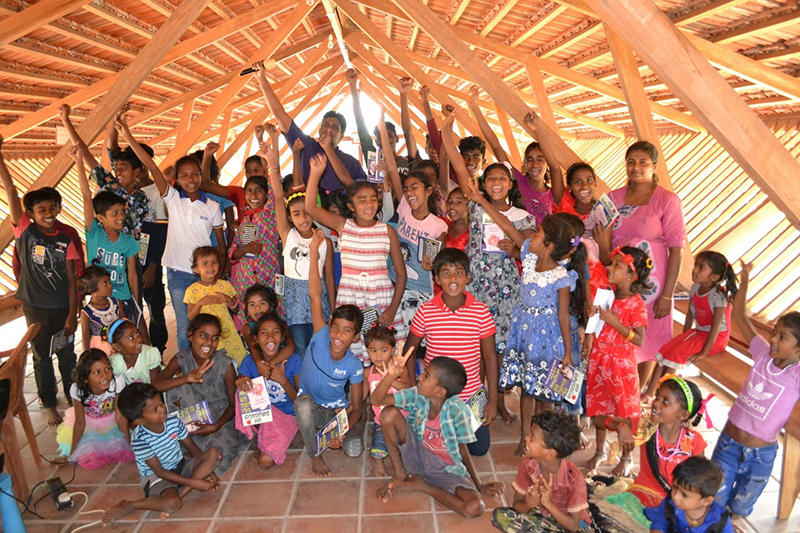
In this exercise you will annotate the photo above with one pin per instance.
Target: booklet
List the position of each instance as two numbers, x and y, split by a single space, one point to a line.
334 429
428 248
371 316
247 234
565 382
280 285
373 174
144 244
255 405
604 211
194 415
478 402
604 298
59 340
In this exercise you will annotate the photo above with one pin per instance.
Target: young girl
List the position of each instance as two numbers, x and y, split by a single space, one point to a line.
259 301
458 229
214 296
94 433
133 360
416 224
102 309
207 374
747 447
710 308
295 229
381 344
283 379
612 384
365 246
494 274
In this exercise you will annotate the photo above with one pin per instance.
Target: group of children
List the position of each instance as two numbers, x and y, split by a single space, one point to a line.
428 295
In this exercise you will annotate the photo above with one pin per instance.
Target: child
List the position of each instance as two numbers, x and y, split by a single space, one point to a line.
494 276
107 245
135 361
454 324
216 297
295 228
192 219
380 343
365 246
167 477
207 374
328 366
428 448
46 285
612 384
416 224
549 491
258 301
458 227
283 380
747 447
94 433
690 508
101 311
710 308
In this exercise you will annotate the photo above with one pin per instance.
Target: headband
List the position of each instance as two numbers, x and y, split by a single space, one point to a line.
295 195
627 258
114 327
684 385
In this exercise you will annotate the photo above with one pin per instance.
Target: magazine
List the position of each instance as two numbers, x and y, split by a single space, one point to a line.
373 174
371 316
334 429
478 402
492 234
604 298
144 244
194 415
604 211
428 248
280 285
255 405
59 340
565 382
247 234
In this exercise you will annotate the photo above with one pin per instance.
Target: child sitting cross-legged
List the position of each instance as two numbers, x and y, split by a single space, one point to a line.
428 449
166 475
328 365
691 508
550 492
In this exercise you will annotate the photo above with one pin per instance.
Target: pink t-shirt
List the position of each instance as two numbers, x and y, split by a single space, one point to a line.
433 440
373 378
767 396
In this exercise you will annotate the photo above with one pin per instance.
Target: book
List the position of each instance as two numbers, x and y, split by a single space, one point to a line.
247 234
280 285
491 234
59 340
255 405
604 298
144 244
428 248
194 415
604 211
373 174
565 382
478 402
334 429
371 316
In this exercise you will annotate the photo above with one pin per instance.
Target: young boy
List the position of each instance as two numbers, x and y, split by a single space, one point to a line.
107 246
46 285
431 443
691 506
550 492
166 475
327 367
454 324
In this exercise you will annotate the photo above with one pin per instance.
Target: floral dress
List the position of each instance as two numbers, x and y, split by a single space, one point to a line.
495 276
260 268
536 343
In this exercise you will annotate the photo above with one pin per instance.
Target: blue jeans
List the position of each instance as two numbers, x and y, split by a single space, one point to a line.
746 470
302 333
177 282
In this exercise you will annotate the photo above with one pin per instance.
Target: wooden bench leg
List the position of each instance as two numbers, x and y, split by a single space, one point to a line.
790 477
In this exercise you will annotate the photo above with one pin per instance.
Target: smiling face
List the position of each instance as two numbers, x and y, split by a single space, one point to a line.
783 344
299 218
456 205
582 186
330 126
666 407
639 167
257 306
535 446
497 183
113 218
270 336
433 155
125 174
416 193
131 341
189 178
204 341
343 334
474 160
44 214
453 279
100 376
619 273
154 413
255 196
254 168
207 268
535 164
364 204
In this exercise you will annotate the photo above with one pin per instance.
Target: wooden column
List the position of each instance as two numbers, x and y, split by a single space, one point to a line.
223 132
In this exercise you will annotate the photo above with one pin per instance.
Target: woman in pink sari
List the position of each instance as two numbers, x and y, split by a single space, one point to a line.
650 218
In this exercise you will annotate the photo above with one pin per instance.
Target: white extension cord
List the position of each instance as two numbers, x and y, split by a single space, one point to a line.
82 512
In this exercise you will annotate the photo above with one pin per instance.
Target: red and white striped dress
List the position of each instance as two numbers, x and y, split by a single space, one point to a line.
365 276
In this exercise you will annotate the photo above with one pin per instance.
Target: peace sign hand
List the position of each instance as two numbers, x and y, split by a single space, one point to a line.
397 365
196 375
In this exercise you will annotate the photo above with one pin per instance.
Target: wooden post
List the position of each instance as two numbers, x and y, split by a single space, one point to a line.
223 131
641 24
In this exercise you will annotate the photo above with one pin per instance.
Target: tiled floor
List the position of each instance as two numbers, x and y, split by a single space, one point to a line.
289 498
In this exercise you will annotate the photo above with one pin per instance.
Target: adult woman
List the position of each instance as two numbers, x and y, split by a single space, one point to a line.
651 218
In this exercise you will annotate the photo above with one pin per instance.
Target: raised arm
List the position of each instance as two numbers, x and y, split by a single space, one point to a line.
315 282
739 311
297 167
86 191
274 174
284 120
206 184
333 159
388 157
456 161
12 195
323 216
112 139
144 157
364 136
64 111
550 154
405 86
486 130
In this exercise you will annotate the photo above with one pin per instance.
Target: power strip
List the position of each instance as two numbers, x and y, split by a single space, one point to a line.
59 493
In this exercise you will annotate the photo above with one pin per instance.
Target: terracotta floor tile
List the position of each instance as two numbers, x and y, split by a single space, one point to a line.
106 497
250 471
453 523
340 465
38 527
408 522
304 525
85 477
198 504
482 463
401 502
174 526
328 497
228 475
126 474
257 499
250 526
503 432
503 457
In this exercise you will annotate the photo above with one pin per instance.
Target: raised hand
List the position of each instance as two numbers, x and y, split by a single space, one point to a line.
449 117
259 132
272 130
546 489
474 92
530 118
264 150
405 85
317 238
425 92
64 111
747 269
298 146
211 149
448 110
73 152
397 364
317 164
532 497
196 375
351 76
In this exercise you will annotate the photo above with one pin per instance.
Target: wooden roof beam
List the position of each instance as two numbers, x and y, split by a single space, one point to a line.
540 23
36 16
495 15
336 25
708 10
770 23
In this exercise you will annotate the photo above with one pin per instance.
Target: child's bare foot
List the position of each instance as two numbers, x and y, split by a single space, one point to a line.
598 457
520 448
53 418
319 467
505 414
379 467
585 443
386 492
585 422
115 513
623 468
265 462
163 516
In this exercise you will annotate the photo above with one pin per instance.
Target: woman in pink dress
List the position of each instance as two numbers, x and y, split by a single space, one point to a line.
650 218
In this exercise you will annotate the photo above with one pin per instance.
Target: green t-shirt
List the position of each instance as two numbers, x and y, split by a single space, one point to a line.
140 372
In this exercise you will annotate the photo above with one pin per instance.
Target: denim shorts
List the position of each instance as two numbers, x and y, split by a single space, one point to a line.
746 470
378 448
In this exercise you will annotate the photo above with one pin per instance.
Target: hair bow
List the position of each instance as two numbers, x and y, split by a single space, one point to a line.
627 258
704 411
576 240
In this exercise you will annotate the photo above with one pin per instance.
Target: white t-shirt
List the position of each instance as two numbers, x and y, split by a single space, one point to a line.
190 226
99 405
297 257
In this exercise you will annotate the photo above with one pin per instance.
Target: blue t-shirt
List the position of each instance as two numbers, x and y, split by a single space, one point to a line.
165 445
113 256
322 377
277 394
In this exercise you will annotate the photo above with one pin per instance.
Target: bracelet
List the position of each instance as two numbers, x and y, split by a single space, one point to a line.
665 298
606 423
630 335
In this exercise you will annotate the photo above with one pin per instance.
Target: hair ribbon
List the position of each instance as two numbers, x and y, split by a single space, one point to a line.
576 241
627 258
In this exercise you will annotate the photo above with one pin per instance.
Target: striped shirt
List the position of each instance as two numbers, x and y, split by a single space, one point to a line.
456 335
165 445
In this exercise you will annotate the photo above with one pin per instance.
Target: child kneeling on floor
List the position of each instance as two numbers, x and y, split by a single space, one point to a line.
429 449
166 475
550 491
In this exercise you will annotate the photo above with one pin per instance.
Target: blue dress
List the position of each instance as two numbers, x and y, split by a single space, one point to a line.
535 342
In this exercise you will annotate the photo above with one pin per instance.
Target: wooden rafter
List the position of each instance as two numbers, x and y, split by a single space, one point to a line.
496 15
35 17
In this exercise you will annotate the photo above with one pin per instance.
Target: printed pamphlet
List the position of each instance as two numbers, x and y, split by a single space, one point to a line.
603 299
334 429
194 415
604 211
566 382
255 405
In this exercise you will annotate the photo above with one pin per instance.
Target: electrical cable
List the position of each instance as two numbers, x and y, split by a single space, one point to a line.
82 512
27 509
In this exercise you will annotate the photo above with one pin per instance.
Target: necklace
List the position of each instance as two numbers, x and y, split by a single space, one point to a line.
674 450
694 523
642 196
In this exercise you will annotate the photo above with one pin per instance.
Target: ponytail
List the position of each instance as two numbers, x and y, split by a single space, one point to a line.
577 298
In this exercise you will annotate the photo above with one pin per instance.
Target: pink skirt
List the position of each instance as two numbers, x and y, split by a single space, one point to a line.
274 437
102 442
